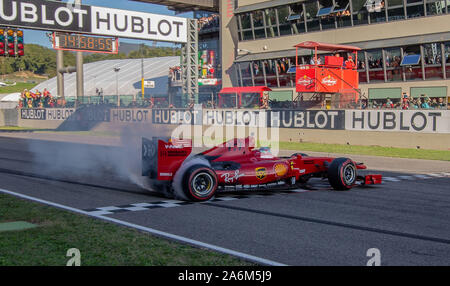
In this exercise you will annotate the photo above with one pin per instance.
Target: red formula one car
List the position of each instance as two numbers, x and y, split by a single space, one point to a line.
237 163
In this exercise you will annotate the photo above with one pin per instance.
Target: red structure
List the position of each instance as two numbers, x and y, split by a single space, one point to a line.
331 77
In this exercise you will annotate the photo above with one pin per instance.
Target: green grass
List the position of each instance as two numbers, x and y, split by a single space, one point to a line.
100 243
19 87
368 150
15 128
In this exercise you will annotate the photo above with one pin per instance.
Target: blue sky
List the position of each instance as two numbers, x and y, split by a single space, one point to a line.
39 37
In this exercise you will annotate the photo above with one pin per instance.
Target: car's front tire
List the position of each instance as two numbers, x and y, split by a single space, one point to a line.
199 183
342 174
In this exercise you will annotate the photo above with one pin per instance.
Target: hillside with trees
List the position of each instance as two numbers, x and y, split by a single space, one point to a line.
42 61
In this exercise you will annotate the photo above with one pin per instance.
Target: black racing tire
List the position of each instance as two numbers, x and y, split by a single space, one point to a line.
342 174
199 183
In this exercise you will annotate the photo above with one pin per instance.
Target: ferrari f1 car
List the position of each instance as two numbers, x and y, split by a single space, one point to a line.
238 163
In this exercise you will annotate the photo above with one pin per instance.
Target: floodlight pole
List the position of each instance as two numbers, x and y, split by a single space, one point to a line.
80 71
60 75
116 70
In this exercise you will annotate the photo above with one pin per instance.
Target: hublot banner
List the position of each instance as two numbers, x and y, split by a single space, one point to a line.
308 119
425 121
430 121
68 17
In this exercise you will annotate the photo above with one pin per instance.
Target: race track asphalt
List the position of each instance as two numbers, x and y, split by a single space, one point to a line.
407 218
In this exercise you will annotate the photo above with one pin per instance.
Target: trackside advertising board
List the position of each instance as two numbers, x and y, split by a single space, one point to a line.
69 17
416 121
427 121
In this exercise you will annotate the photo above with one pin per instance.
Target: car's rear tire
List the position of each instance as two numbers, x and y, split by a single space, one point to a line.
342 174
199 183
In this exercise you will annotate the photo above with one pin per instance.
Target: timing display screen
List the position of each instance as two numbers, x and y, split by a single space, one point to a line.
74 42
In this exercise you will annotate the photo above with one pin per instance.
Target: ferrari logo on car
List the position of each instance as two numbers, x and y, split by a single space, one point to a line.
261 173
280 169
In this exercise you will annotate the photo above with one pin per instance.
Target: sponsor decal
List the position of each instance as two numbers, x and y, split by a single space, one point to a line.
165 174
34 114
305 81
173 146
130 115
302 171
281 169
261 173
63 16
329 80
231 177
427 121
309 119
60 114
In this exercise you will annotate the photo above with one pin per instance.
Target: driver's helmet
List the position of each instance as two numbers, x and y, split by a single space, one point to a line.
265 152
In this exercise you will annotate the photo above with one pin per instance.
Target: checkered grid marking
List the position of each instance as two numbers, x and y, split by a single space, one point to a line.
176 203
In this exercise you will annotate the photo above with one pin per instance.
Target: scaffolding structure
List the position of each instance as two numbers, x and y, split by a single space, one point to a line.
189 62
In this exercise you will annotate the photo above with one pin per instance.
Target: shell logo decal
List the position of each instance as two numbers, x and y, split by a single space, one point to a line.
261 173
280 169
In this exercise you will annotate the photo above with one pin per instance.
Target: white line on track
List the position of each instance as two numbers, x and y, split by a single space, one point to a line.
244 256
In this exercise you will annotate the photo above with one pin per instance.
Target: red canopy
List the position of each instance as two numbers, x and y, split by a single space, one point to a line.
326 47
245 89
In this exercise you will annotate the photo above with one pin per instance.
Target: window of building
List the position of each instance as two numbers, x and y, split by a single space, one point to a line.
246 27
326 15
271 22
271 67
258 73
360 13
435 7
285 24
245 21
312 21
447 58
361 66
297 18
377 10
285 77
258 24
414 8
342 13
393 59
413 71
395 10
375 61
245 74
433 61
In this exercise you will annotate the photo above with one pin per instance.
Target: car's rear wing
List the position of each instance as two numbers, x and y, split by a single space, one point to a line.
161 157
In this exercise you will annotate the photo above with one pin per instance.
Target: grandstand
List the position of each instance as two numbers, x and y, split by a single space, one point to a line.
101 76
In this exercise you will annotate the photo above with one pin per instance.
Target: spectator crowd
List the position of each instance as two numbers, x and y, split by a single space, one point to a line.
37 99
408 102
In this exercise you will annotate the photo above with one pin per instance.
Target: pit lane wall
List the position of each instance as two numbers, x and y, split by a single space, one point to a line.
427 129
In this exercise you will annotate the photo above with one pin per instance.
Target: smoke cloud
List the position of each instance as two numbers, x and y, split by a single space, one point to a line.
105 165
